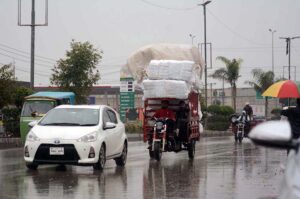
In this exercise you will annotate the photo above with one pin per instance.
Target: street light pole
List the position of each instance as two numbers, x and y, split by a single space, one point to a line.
32 25
272 31
32 44
205 54
192 37
288 50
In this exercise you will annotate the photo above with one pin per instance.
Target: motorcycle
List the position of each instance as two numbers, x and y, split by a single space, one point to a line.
163 141
240 126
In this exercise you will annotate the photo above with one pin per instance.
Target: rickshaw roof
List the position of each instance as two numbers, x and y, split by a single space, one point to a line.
56 95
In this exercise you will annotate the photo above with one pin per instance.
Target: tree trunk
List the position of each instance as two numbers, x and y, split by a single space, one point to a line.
266 107
233 93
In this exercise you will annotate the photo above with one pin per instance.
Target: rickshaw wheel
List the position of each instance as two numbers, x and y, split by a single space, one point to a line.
157 151
191 149
235 137
240 139
151 154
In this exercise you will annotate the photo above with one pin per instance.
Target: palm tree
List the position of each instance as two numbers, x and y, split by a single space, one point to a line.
262 81
230 74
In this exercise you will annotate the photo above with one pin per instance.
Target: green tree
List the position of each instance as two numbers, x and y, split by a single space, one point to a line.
230 74
261 82
20 94
77 72
7 85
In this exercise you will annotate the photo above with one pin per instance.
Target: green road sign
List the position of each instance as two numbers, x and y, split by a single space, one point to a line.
127 96
258 95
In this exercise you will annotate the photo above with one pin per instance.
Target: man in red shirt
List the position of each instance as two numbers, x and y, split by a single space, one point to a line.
165 112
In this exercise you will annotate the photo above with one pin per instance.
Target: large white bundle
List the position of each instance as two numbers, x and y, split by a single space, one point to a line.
171 69
140 59
165 89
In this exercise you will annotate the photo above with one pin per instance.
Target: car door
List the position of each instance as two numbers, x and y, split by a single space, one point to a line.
117 132
108 133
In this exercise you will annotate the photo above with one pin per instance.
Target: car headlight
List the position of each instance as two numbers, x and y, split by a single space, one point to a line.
32 137
92 137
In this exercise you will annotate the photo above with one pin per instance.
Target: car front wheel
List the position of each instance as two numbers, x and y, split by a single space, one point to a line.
32 166
121 161
102 159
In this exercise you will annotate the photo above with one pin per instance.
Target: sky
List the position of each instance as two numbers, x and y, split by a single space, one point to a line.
236 29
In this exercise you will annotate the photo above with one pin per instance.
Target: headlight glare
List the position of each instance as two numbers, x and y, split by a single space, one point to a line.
32 137
92 137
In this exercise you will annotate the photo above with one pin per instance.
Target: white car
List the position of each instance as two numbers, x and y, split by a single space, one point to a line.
77 135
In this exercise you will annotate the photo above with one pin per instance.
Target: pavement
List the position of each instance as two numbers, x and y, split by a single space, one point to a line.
221 169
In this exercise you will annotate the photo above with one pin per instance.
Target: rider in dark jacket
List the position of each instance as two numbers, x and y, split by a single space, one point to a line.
182 118
293 115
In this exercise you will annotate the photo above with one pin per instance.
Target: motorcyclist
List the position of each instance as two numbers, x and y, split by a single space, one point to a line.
166 113
182 117
249 111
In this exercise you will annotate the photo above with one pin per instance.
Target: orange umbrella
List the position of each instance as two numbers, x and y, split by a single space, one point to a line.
283 89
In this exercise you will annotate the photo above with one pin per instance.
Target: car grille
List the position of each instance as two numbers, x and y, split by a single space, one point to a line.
43 154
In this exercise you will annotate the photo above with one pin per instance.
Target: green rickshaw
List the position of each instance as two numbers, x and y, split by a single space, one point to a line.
38 104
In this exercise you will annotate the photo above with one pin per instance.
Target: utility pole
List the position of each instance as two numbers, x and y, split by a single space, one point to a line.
32 44
288 50
205 55
272 31
192 37
32 25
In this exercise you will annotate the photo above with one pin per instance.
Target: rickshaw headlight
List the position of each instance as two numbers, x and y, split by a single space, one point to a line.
159 125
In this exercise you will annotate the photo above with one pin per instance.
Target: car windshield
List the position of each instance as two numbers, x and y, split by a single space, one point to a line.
71 117
39 108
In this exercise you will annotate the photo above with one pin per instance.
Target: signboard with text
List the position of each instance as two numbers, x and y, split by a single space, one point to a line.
127 96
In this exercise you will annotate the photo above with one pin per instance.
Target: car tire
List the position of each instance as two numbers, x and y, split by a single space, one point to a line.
32 166
121 161
102 159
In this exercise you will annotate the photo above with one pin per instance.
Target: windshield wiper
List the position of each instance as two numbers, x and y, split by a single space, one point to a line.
88 124
60 124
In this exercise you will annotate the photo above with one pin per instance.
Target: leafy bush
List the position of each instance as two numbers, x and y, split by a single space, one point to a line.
11 121
220 110
276 111
275 114
219 117
227 110
217 123
133 127
214 109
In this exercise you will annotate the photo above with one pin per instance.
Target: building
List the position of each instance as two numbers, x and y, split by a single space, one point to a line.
107 95
110 95
218 96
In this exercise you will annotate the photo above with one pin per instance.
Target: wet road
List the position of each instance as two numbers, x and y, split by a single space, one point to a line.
221 169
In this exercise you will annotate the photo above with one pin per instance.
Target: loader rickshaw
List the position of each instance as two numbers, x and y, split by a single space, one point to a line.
164 135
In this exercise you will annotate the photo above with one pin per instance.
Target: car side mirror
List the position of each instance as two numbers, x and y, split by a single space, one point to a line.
32 124
109 125
276 134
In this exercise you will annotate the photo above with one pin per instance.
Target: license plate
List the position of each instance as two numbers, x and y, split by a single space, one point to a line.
57 151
